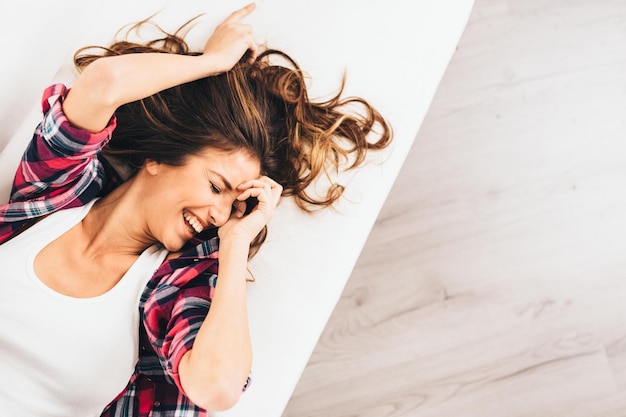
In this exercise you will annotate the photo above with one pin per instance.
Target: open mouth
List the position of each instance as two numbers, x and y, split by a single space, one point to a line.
193 224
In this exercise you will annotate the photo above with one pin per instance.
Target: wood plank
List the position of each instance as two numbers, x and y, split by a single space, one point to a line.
494 281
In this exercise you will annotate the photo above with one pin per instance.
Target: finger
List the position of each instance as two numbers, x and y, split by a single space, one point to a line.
271 182
259 182
253 184
264 196
241 13
239 209
258 192
274 190
253 52
250 40
278 193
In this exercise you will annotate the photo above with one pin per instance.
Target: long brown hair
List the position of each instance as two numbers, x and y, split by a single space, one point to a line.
261 107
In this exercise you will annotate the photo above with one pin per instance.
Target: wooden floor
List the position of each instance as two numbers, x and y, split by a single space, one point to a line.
494 282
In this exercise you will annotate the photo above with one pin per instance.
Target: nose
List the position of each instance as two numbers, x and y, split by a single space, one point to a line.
220 214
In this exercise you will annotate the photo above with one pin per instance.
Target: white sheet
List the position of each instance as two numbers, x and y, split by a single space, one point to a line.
394 52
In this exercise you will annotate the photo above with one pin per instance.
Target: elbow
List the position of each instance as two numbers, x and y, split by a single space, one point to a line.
216 396
101 78
213 384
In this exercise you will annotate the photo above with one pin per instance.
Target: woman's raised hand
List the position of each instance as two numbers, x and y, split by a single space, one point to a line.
231 40
267 192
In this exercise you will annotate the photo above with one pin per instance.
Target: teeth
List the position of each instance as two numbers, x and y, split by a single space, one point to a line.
193 222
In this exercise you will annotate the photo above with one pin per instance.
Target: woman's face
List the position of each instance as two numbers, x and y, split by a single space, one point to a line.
201 193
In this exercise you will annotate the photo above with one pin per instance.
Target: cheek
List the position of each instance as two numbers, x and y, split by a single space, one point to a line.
187 189
164 183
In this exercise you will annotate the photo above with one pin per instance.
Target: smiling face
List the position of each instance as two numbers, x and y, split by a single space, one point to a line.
184 200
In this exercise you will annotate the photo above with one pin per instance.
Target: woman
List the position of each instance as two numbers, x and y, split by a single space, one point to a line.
207 143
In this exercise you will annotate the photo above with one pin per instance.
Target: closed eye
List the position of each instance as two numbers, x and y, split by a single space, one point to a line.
216 189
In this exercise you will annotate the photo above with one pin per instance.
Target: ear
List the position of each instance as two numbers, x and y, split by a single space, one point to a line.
152 167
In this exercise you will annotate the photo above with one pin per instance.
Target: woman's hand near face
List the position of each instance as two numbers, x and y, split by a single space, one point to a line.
231 40
267 192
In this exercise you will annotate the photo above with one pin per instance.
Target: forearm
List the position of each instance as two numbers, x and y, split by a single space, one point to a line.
110 82
214 371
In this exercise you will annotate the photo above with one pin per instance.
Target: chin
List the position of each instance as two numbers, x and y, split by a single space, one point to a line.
173 246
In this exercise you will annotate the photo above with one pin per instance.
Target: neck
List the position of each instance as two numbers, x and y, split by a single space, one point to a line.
115 224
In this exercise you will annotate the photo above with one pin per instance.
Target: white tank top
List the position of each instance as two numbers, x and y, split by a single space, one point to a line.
59 355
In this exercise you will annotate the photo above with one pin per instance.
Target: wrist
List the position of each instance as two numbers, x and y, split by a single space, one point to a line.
234 243
211 64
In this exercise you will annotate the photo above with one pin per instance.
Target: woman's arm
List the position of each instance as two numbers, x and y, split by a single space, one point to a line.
110 82
59 168
214 371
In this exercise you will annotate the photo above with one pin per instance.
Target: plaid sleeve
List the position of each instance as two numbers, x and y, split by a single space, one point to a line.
60 162
58 170
175 311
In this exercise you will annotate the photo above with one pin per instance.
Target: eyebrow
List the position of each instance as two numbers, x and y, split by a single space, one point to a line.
227 184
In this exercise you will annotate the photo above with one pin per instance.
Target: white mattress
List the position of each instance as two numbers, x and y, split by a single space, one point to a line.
394 53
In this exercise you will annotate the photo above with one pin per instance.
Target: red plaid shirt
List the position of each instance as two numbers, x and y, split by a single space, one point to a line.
61 169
